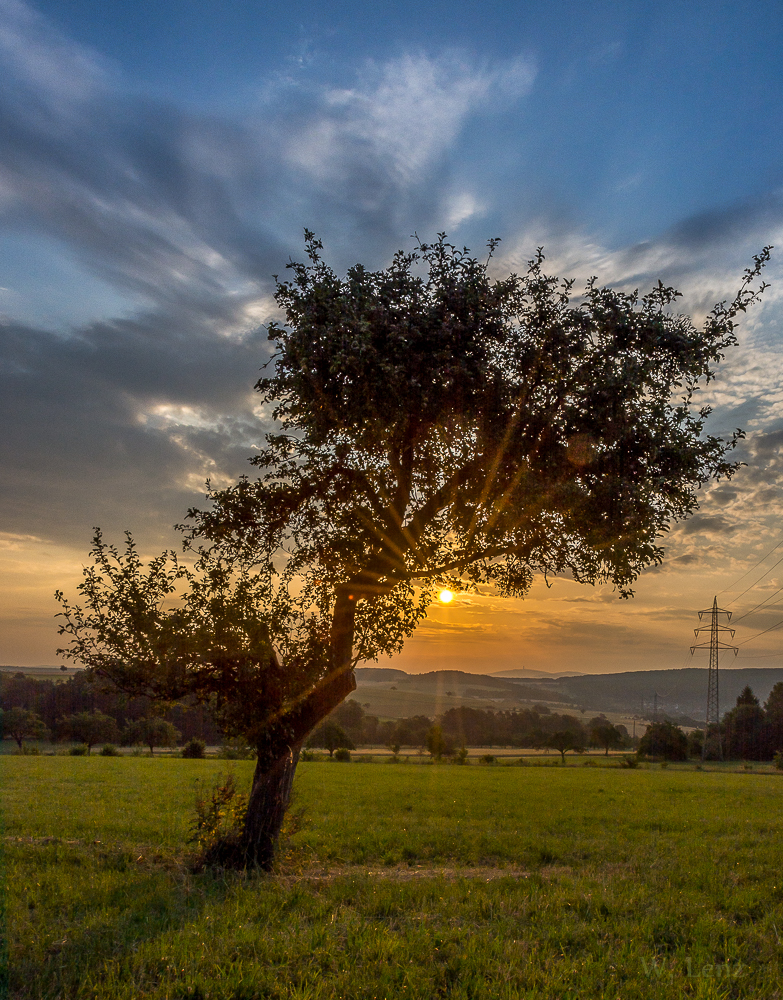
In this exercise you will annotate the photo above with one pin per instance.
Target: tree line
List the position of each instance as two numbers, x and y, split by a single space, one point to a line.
349 726
52 705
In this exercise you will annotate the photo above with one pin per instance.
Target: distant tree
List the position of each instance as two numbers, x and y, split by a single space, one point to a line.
695 742
564 740
435 426
438 745
21 725
90 728
152 732
331 737
773 711
664 740
350 715
412 731
607 736
369 730
744 729
773 706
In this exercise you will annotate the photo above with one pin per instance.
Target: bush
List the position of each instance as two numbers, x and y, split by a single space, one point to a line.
488 758
194 749
27 751
217 828
78 751
777 760
343 754
461 756
109 750
307 756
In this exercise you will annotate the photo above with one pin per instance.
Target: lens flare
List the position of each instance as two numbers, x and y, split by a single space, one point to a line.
445 597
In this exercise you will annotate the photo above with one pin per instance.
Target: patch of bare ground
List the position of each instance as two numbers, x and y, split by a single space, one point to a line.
326 874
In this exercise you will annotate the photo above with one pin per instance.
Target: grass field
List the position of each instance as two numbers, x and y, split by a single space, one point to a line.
403 881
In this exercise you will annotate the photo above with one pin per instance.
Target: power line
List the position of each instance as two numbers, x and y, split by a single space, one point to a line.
763 632
768 554
759 579
758 606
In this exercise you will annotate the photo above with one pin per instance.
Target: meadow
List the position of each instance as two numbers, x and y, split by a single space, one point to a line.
397 881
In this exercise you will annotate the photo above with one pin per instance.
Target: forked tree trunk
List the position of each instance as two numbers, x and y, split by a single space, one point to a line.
278 751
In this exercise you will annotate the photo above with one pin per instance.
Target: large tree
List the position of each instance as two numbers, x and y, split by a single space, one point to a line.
434 426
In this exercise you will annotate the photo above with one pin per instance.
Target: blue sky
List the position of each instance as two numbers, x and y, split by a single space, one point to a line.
159 161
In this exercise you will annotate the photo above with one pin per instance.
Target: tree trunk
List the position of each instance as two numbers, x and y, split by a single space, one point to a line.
266 808
281 741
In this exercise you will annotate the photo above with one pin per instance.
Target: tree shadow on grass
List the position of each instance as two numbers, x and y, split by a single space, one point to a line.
105 903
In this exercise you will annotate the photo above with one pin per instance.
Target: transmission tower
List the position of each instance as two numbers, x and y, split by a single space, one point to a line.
714 645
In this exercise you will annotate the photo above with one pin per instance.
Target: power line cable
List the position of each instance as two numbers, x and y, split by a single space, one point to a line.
763 632
766 556
758 606
763 575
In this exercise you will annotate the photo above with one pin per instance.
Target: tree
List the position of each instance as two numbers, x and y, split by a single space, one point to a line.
331 737
744 728
21 724
153 732
436 428
564 740
773 710
438 745
91 728
664 740
695 742
607 736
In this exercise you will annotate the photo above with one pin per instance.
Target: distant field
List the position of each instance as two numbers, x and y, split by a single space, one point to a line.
403 881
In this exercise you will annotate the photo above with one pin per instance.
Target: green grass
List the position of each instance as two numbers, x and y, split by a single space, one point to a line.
403 881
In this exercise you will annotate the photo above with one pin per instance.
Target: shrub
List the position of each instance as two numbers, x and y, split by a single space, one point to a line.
28 752
461 756
307 756
343 754
777 760
194 749
488 758
109 750
78 751
628 761
216 830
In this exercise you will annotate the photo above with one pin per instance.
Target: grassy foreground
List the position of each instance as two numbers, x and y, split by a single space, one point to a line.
403 881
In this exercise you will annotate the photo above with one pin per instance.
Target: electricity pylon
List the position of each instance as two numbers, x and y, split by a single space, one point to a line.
713 694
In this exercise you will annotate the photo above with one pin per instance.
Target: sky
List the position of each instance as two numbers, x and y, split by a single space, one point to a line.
159 162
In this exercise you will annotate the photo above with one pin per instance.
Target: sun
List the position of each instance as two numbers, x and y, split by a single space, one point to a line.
445 597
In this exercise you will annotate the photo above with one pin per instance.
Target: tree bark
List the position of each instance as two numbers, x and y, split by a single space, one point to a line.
282 740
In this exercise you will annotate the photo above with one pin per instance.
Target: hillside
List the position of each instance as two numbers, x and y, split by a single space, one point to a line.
391 693
680 692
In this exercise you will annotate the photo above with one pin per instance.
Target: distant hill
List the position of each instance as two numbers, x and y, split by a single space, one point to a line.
40 672
529 673
394 693
680 692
